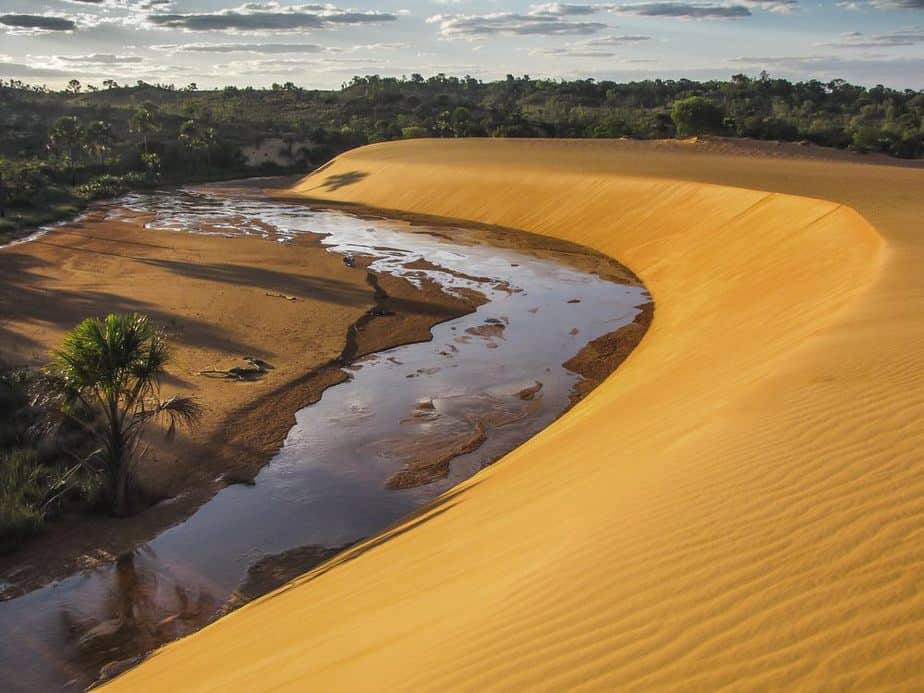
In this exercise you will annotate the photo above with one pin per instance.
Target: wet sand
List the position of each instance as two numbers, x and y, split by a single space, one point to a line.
220 299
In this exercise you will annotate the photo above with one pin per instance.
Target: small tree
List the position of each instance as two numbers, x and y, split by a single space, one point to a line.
697 115
112 367
65 137
144 122
151 163
190 140
98 139
208 138
461 122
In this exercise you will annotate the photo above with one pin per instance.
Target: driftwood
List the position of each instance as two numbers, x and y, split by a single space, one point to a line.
258 367
285 296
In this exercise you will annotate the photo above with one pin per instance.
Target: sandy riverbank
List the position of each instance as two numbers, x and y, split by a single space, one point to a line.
220 299
740 506
296 307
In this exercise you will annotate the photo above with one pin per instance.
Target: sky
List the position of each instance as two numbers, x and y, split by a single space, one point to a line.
214 43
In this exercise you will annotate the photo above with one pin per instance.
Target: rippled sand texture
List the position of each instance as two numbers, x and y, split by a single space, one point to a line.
740 504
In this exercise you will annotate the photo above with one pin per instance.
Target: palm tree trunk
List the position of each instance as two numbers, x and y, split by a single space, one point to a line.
118 463
120 506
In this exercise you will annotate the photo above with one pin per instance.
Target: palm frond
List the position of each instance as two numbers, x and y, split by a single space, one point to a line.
178 410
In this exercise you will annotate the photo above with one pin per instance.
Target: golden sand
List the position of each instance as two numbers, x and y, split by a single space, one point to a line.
740 504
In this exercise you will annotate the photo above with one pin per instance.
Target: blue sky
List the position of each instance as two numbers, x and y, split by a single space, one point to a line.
219 42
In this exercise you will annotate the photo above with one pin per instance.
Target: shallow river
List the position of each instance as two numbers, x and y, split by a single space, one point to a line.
326 487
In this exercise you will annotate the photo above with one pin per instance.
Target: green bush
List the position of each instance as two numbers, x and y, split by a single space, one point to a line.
111 186
697 115
23 181
39 452
22 494
14 412
414 131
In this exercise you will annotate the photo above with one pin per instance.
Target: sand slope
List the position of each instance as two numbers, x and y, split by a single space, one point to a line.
741 504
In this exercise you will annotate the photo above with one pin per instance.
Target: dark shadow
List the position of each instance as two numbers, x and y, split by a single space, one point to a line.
303 286
24 299
93 238
441 505
341 180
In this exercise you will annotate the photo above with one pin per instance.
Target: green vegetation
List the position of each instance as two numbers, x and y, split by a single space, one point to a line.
697 115
112 367
61 149
69 437
41 474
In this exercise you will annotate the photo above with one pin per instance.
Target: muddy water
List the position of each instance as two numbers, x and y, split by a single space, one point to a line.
409 423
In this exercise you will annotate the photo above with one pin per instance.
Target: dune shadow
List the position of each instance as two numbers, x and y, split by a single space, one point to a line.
337 181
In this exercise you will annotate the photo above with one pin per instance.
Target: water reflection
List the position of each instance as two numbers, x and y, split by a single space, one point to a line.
409 424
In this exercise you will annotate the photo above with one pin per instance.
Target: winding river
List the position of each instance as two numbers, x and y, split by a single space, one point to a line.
484 384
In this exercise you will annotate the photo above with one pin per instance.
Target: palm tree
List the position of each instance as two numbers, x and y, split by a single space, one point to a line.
144 121
99 138
208 138
189 138
112 367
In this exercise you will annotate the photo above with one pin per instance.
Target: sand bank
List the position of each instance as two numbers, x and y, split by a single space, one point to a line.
221 299
740 505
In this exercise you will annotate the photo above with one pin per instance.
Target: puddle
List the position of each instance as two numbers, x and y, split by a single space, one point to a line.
409 424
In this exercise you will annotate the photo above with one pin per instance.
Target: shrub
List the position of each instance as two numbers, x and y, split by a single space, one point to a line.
15 416
110 186
697 115
22 494
414 131
40 468
23 181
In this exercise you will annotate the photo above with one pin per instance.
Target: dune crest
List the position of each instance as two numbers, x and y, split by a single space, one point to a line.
740 504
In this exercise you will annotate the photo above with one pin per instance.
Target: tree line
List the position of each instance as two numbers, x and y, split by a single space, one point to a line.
64 147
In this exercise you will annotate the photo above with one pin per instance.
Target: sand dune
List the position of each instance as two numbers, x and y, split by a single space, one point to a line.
741 504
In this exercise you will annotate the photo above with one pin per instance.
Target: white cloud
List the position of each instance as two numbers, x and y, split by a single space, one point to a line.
511 24
597 47
891 39
257 17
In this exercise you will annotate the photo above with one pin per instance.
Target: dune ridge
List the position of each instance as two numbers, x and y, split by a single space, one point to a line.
741 504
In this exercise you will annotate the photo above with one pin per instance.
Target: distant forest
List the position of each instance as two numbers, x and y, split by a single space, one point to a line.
60 149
